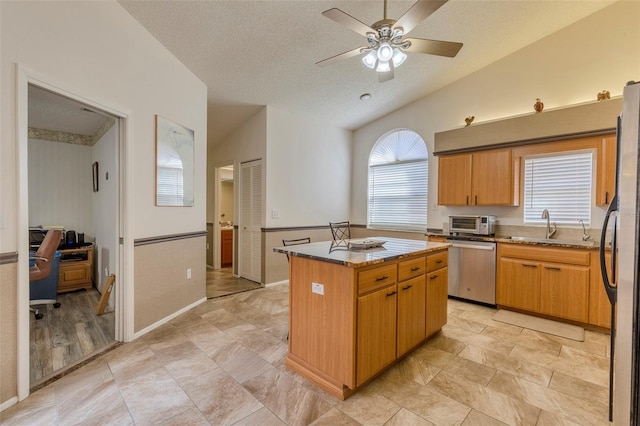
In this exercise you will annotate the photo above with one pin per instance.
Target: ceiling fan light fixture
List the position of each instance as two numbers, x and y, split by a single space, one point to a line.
370 59
385 52
398 57
383 66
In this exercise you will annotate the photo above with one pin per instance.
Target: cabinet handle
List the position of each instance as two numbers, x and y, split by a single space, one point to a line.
415 268
382 278
476 200
392 293
552 268
406 287
439 261
528 265
606 197
467 200
433 277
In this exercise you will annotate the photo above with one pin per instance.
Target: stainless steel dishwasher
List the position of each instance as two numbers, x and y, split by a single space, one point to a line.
472 270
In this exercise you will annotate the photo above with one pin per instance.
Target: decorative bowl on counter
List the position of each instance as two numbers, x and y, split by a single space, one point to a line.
364 243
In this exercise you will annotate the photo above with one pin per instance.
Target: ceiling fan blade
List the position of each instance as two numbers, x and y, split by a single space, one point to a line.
348 21
418 13
433 47
345 55
386 76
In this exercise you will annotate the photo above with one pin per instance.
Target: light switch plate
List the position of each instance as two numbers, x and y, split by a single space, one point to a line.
317 288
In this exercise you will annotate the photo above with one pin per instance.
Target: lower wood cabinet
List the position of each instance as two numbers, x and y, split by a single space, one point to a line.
437 295
348 324
226 251
75 270
564 291
376 337
411 314
558 282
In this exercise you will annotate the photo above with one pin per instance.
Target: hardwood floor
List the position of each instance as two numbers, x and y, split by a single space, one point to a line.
222 363
221 282
68 335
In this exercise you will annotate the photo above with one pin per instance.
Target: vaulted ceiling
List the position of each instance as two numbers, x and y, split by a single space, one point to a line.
252 53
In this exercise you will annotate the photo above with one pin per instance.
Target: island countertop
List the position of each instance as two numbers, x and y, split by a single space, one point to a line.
393 248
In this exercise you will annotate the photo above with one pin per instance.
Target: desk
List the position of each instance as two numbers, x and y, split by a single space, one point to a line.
352 314
76 269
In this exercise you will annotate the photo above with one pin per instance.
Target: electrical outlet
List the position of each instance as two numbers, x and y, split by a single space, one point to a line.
207 246
275 214
317 288
188 273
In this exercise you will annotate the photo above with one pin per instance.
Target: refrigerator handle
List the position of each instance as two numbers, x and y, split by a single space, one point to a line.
609 288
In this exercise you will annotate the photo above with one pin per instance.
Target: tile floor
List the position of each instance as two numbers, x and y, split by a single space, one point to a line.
222 363
221 282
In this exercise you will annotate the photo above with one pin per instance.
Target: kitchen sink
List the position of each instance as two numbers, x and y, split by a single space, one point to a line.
554 241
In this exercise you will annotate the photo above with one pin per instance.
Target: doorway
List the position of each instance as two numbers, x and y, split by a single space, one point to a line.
73 168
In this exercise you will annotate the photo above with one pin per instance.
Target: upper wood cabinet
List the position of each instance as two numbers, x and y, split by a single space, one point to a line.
484 178
606 173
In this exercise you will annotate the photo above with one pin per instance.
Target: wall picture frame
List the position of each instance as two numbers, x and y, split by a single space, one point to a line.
174 164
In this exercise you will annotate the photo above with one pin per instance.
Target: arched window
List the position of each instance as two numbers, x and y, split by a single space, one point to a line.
398 170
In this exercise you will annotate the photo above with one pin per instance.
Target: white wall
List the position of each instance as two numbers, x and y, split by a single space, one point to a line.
98 51
308 171
105 207
60 185
568 67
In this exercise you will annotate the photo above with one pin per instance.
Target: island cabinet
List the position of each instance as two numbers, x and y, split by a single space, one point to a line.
354 313
599 304
552 281
483 178
437 281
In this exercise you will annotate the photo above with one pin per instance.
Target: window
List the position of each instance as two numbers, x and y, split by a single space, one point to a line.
398 182
560 184
169 180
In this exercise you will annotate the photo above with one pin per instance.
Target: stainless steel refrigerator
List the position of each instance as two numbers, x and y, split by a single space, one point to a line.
623 222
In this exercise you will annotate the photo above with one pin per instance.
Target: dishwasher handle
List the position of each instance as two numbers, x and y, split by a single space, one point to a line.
491 247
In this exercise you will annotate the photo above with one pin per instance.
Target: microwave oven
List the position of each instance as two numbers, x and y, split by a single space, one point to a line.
472 224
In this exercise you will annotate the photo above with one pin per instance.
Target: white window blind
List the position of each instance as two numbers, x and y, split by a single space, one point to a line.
561 184
398 187
169 186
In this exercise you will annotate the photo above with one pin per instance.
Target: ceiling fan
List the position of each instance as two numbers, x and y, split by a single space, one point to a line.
385 38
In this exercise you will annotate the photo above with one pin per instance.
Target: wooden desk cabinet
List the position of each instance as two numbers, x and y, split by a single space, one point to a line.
76 269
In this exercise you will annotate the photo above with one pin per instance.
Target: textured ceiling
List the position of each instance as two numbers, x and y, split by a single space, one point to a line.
255 53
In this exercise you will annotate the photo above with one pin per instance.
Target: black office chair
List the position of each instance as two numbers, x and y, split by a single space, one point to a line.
340 232
295 242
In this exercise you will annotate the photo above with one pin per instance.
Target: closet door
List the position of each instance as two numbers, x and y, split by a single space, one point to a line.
250 250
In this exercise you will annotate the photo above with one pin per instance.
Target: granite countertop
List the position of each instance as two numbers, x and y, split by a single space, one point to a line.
393 248
588 245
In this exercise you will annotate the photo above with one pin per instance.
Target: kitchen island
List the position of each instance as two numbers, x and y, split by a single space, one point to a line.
353 313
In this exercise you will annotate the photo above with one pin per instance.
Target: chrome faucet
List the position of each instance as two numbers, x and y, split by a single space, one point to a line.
585 236
549 232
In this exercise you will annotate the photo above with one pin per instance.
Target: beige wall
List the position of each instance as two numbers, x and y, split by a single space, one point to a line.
8 332
162 287
226 201
566 68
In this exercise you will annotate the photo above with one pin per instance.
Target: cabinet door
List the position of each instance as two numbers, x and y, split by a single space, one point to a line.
492 178
605 184
564 291
518 284
227 248
436 311
454 180
376 341
411 314
599 305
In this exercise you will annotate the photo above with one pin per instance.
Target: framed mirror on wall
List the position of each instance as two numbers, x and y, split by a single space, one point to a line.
174 164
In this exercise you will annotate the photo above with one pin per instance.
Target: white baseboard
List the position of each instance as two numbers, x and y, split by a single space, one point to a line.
276 283
8 403
168 318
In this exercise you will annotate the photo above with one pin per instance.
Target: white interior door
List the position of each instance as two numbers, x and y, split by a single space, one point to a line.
250 250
